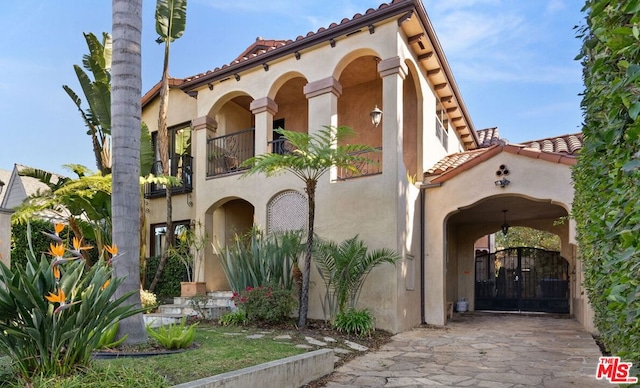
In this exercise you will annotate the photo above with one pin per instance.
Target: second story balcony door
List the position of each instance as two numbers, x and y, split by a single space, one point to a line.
180 162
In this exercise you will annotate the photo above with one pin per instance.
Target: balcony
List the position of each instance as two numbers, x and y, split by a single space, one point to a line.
225 154
281 146
181 168
372 165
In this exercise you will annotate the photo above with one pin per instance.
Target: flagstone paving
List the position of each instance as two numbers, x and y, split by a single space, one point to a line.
481 350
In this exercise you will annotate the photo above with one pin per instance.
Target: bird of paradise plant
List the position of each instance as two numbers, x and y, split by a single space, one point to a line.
54 312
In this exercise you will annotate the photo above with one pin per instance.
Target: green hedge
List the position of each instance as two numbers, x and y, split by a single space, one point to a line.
169 284
20 245
607 177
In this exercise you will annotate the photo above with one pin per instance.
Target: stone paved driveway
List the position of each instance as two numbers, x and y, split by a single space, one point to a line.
481 350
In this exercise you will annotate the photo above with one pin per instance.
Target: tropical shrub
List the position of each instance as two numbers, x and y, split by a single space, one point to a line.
265 304
173 274
233 318
53 313
607 176
257 259
108 337
20 245
356 322
344 267
174 336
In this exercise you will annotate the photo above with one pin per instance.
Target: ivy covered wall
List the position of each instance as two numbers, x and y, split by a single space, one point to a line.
607 176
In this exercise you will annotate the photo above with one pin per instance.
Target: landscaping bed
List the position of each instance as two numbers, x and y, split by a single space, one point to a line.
219 349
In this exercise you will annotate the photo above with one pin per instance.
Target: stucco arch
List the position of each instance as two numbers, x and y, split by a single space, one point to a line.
467 223
223 220
350 57
281 80
222 100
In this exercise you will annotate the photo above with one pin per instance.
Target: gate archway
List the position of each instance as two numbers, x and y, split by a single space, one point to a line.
522 279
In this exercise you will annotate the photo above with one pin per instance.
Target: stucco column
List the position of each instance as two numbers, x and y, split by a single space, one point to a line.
393 72
263 109
5 236
323 103
204 128
435 259
323 107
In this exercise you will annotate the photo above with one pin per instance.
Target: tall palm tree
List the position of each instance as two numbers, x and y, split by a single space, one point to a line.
126 90
312 157
171 19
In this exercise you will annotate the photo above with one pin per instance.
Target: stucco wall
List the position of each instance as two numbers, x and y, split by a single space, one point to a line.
532 178
382 209
5 236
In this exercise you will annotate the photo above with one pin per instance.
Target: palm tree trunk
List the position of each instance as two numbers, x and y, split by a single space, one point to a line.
306 270
126 112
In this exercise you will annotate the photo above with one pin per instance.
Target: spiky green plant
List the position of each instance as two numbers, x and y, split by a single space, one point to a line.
175 336
257 259
344 267
53 313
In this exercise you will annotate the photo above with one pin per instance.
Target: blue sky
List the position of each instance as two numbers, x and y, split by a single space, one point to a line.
512 60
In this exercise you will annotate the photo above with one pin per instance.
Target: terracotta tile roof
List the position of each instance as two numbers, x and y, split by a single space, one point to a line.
561 149
269 46
263 46
260 46
452 161
488 137
566 144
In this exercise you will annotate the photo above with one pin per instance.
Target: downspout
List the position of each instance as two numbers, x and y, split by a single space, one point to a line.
423 187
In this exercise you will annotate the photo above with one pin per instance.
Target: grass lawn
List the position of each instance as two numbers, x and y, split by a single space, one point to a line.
218 352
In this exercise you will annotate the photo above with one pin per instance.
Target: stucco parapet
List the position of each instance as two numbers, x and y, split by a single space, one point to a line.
323 86
391 66
264 104
204 122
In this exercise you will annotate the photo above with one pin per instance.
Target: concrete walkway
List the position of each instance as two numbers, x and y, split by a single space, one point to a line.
481 350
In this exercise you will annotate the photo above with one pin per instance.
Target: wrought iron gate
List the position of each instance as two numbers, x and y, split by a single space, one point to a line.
522 279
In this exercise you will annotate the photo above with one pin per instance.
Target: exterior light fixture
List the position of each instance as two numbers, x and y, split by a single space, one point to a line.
505 226
376 116
1 186
504 182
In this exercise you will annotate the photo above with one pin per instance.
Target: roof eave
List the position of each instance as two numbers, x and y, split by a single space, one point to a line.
298 45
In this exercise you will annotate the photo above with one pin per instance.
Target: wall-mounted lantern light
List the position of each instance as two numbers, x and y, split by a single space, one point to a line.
376 116
505 226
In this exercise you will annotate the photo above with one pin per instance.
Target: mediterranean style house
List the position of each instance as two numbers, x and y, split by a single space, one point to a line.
439 184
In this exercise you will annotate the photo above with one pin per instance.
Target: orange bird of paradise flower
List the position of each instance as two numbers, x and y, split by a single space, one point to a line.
56 250
57 228
60 297
113 251
56 272
77 247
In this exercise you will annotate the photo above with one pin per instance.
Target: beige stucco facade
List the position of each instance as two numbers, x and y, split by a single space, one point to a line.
388 58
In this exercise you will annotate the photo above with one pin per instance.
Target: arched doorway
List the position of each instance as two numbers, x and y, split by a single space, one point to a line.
515 279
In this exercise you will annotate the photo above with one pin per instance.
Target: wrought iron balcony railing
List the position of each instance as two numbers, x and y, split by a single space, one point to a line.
281 146
181 168
225 154
372 165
